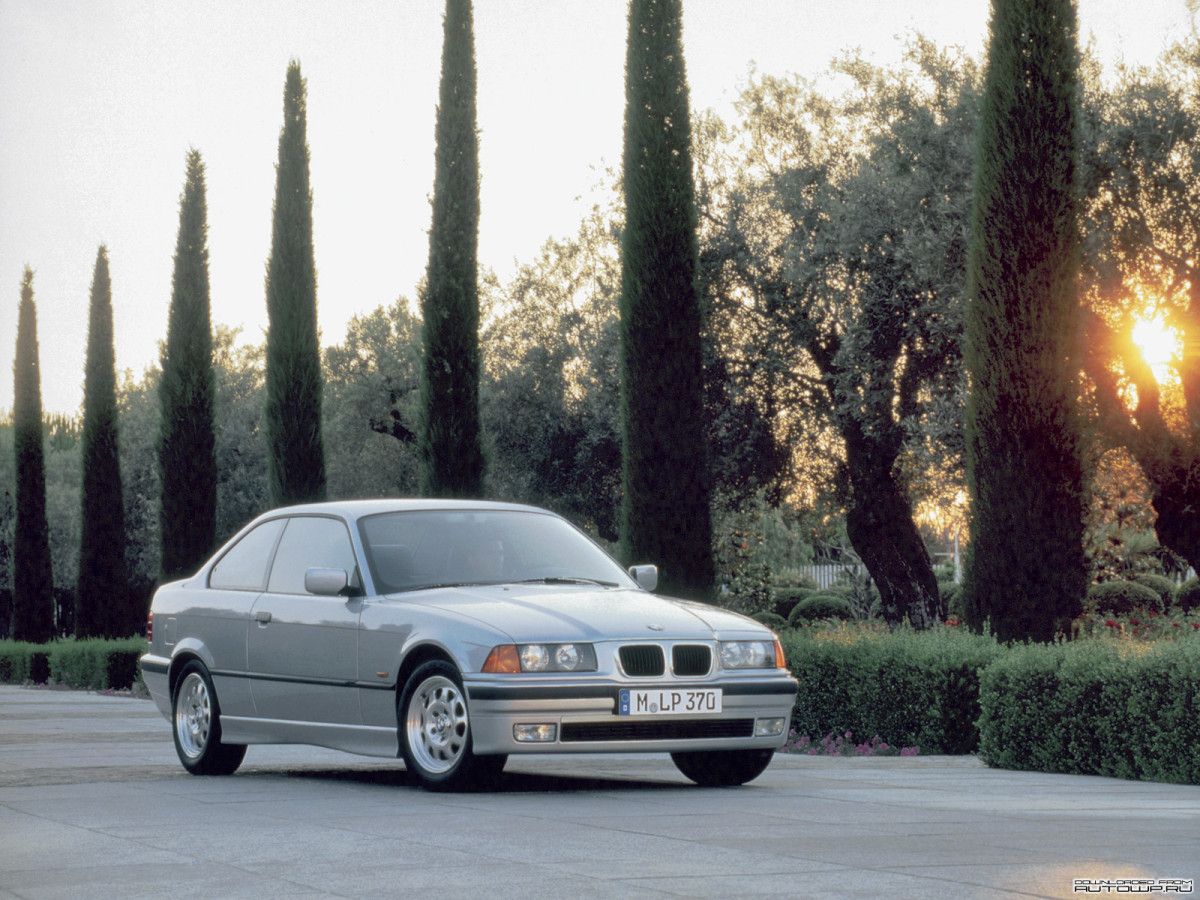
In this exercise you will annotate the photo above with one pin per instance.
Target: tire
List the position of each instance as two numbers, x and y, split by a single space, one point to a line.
196 717
722 768
435 732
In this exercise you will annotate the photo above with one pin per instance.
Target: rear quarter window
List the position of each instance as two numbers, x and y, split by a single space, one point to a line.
245 565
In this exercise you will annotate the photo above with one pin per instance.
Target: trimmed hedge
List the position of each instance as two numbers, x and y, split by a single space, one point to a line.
1120 598
823 605
784 599
774 621
1095 708
909 688
92 664
1160 584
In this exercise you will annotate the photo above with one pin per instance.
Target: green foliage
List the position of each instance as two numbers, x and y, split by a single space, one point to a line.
774 621
665 516
1188 597
449 436
1122 597
550 395
292 421
371 384
738 553
92 664
1143 188
1160 584
32 615
826 286
187 466
241 447
784 599
1094 708
102 607
821 605
908 687
951 596
1025 571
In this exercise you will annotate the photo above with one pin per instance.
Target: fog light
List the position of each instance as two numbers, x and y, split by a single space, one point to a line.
536 733
768 727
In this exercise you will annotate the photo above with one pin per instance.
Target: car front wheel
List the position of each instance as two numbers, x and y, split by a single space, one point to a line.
197 718
435 732
722 768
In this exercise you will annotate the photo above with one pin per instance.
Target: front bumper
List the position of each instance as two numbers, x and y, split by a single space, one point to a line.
585 719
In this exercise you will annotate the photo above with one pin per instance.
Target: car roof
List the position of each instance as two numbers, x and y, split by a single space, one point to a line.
357 509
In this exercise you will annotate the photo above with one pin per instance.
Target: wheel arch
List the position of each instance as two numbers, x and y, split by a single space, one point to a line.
417 656
186 652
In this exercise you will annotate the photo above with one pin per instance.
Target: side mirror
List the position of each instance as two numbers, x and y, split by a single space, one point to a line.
645 576
326 582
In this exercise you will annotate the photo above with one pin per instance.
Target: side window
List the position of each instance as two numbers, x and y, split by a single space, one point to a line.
244 567
310 542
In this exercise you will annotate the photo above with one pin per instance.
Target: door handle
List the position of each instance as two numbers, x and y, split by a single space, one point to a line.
262 617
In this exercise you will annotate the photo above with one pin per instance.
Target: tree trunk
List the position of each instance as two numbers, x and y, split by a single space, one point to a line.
1176 500
881 529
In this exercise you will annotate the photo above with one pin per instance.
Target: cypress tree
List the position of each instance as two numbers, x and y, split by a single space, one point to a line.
187 444
1025 570
449 437
295 454
33 584
665 511
102 588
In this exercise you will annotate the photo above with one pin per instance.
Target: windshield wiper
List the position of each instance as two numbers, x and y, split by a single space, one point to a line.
565 579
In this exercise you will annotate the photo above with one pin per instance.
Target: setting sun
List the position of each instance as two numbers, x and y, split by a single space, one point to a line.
1159 344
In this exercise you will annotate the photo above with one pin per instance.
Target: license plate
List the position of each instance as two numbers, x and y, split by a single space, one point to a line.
681 702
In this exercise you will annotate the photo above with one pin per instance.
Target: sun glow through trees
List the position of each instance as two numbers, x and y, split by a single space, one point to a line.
1159 345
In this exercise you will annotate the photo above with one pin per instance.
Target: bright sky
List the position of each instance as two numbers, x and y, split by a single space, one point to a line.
100 101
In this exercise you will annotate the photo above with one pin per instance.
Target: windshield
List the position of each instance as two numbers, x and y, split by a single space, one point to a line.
407 551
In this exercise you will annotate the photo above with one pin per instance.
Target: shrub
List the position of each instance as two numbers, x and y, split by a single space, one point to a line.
1094 708
784 578
774 621
910 688
23 663
784 599
1187 598
950 596
821 605
1122 597
1160 584
92 664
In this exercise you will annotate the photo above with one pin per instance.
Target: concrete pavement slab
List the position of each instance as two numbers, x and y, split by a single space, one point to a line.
94 803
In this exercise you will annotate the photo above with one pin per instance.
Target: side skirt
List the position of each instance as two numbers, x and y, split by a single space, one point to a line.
361 739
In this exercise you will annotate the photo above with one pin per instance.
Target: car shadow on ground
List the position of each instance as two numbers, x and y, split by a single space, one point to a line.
505 783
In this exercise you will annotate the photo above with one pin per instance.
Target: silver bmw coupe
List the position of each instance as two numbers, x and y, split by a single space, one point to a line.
453 634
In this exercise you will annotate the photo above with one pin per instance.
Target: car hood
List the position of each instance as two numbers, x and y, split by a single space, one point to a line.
554 613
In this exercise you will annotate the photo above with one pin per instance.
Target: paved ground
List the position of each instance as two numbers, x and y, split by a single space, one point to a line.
94 804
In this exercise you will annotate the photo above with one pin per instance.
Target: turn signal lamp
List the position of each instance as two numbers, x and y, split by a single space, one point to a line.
503 660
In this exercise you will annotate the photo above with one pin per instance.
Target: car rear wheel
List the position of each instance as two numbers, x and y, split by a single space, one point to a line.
722 768
435 732
197 718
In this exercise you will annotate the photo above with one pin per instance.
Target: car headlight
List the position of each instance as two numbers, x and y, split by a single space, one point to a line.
514 658
751 654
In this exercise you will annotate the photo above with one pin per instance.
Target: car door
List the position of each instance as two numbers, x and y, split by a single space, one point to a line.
220 621
303 647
